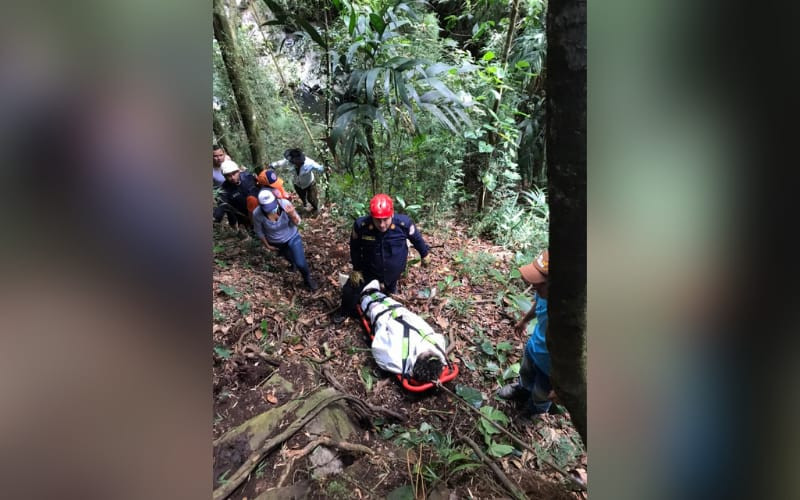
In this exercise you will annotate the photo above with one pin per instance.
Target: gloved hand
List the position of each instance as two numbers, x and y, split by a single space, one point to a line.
425 261
356 279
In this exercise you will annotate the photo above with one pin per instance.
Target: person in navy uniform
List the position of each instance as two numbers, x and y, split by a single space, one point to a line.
378 251
238 196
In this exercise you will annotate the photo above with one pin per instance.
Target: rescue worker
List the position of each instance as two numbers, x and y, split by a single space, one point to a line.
238 196
378 251
304 182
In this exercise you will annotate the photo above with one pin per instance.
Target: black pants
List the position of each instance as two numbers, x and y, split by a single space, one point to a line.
351 295
308 195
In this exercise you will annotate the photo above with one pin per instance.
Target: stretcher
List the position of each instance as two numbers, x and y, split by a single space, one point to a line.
449 371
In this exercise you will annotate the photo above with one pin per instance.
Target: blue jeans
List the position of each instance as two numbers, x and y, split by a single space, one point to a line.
293 251
537 382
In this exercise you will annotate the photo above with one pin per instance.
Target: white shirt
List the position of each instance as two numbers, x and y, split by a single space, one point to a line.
303 178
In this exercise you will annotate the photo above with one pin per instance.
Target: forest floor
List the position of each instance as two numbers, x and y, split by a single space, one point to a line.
265 322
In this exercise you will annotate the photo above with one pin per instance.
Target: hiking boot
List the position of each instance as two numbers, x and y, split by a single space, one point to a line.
513 391
312 285
338 317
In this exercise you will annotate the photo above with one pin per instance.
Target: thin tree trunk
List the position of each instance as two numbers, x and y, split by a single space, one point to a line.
512 24
234 65
566 162
373 170
219 133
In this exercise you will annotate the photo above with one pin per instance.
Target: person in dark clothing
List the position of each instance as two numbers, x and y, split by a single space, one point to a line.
238 196
378 251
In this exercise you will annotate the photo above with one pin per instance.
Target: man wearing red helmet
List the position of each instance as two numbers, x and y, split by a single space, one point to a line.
378 250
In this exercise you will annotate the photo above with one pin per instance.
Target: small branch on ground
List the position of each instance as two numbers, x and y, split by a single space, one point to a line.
497 472
578 483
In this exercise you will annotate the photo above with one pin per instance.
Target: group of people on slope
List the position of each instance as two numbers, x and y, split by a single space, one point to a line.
259 203
378 254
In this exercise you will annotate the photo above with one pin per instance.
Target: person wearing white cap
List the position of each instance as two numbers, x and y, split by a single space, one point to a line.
237 195
275 223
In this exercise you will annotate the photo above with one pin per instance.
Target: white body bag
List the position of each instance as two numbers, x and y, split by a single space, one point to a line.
390 322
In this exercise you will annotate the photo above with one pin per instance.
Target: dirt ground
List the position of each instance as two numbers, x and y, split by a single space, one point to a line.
265 320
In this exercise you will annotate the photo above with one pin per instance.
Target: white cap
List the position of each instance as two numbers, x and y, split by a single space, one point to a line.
267 201
265 197
229 167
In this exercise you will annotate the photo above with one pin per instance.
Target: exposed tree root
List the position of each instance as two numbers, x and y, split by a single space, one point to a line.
244 471
366 408
294 455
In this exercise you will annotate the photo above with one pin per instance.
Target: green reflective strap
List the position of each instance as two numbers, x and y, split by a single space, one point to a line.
405 348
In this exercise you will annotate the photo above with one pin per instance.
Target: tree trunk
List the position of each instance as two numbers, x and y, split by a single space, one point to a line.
512 24
566 162
370 154
219 133
234 65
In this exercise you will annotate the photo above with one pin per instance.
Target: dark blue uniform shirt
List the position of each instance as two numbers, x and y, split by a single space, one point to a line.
383 256
236 195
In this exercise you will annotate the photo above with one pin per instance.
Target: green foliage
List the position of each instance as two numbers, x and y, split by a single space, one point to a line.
470 395
244 307
518 221
367 378
217 315
474 266
492 359
222 352
230 291
445 458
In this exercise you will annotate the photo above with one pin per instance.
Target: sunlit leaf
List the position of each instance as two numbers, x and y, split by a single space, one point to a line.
500 450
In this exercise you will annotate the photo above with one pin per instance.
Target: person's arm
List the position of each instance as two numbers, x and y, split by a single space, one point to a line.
287 206
418 241
522 325
314 165
260 231
355 249
267 245
279 164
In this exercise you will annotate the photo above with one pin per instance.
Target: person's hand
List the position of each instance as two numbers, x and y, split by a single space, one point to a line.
521 327
425 261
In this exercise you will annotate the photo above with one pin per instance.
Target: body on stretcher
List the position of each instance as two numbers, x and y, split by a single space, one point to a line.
395 351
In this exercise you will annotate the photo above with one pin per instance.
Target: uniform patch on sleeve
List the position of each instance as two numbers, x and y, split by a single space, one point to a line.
411 229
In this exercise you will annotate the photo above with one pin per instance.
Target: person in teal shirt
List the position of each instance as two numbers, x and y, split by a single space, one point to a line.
533 387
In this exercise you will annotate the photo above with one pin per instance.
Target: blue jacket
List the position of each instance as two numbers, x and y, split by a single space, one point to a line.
236 195
384 255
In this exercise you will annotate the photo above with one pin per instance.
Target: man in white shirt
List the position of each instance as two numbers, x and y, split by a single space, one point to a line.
304 182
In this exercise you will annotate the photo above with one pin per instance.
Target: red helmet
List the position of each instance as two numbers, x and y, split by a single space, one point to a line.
381 206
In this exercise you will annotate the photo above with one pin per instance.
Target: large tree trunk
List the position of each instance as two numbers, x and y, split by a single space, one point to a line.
566 163
234 65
